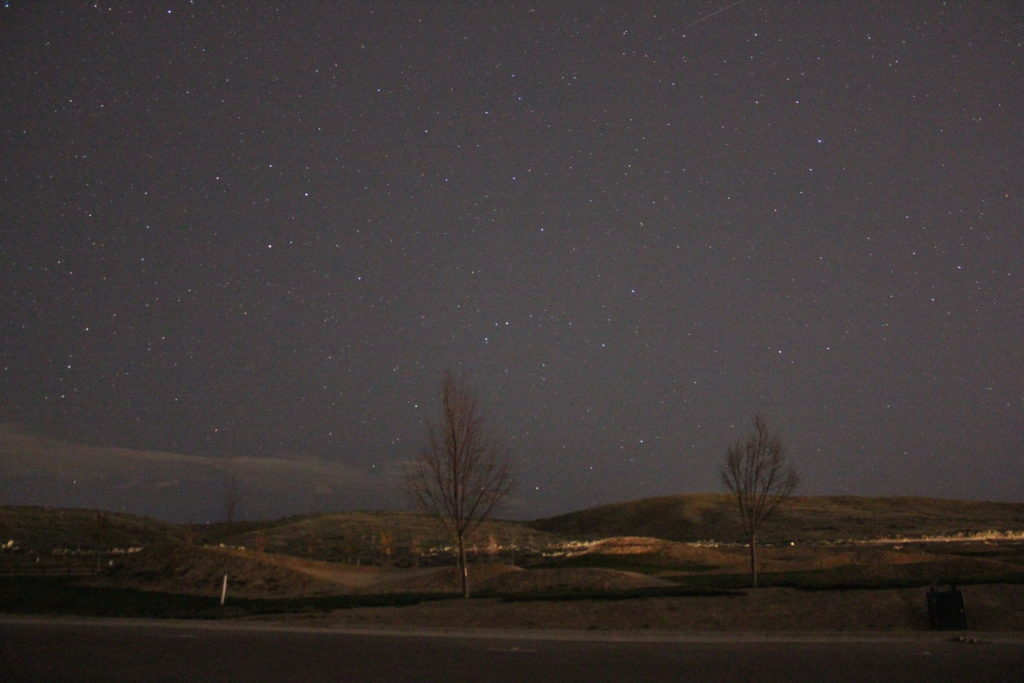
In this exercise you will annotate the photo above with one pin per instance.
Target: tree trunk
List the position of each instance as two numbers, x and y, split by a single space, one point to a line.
753 560
463 569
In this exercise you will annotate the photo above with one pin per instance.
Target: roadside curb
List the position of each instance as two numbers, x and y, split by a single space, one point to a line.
966 638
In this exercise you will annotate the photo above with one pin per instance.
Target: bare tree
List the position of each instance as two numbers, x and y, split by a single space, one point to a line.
463 473
757 475
231 495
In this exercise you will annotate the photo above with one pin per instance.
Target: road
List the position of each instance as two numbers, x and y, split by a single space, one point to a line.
41 649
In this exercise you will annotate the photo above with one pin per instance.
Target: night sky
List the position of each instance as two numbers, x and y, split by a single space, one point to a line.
250 228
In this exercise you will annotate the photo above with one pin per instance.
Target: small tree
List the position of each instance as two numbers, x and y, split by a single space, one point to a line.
232 495
463 473
757 475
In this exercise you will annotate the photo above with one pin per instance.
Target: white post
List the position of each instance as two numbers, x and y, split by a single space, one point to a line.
224 590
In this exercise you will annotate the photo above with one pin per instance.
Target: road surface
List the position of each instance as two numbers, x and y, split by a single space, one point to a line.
42 649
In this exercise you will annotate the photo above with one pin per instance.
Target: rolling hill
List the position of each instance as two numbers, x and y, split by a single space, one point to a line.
43 529
696 517
349 536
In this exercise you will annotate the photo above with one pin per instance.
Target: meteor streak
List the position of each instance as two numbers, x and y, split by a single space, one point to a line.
717 11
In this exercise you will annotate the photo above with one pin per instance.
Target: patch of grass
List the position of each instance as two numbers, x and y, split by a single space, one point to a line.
1012 553
48 595
566 594
837 580
45 595
640 563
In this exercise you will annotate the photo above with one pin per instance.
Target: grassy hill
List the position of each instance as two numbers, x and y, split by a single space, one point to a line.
810 519
380 536
384 536
367 537
44 529
308 557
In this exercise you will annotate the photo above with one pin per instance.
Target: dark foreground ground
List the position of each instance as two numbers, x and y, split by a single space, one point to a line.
42 649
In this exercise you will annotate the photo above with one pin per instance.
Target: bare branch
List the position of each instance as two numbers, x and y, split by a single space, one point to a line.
462 474
757 475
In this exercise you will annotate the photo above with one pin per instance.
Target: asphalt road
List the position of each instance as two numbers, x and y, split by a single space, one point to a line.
39 649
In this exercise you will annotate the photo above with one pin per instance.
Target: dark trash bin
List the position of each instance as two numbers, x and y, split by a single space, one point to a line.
946 611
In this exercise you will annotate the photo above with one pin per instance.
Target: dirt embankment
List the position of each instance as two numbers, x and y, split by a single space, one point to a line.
199 570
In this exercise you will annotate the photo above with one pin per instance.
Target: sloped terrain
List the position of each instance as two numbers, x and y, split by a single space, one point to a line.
199 570
583 579
382 537
816 519
43 529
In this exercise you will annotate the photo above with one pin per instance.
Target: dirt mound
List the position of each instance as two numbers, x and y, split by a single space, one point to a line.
200 570
886 556
656 551
503 578
629 545
440 579
810 558
584 579
347 576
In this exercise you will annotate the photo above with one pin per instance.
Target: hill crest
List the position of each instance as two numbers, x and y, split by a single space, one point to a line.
713 516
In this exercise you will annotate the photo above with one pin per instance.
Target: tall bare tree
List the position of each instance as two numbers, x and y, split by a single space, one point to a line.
757 475
463 472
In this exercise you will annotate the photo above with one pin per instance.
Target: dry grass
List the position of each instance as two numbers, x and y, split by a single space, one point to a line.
990 608
613 567
196 570
994 606
200 570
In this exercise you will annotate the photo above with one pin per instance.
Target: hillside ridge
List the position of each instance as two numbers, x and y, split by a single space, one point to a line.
713 516
681 518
